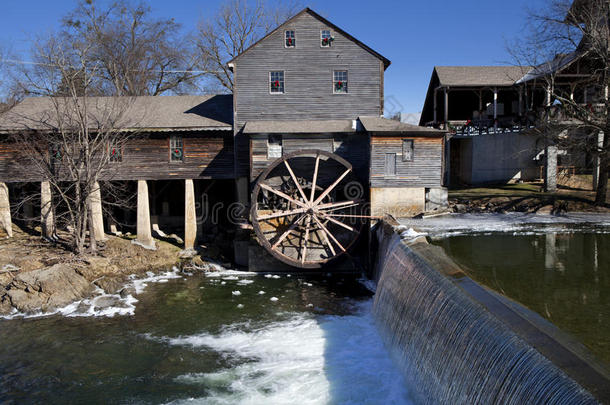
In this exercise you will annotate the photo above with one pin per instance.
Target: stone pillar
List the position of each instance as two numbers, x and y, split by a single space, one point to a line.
46 210
5 211
144 238
95 204
550 170
597 160
190 216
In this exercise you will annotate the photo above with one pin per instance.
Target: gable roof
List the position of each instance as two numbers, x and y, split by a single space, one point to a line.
502 76
152 113
384 126
386 61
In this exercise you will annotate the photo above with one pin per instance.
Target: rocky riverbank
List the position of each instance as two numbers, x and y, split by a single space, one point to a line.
525 198
36 276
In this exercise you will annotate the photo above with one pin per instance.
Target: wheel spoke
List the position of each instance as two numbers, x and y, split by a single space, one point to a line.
304 253
284 196
331 236
341 224
338 205
315 178
281 214
287 232
294 178
324 233
331 188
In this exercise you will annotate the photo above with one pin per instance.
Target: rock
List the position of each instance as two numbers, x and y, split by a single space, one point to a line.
47 289
460 208
545 210
111 285
127 291
5 306
105 302
198 261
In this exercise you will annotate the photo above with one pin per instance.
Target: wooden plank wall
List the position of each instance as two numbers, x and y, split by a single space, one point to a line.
207 155
425 170
353 147
308 80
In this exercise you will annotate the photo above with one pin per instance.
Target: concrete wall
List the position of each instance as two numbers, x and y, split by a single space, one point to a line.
398 202
497 158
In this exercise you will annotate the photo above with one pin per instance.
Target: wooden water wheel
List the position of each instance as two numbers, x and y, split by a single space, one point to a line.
307 208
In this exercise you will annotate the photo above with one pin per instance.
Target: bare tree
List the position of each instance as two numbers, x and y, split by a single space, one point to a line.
68 141
137 54
572 37
237 25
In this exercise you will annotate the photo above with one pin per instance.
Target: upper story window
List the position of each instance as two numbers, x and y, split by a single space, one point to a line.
407 150
276 82
340 81
115 153
290 39
176 149
325 38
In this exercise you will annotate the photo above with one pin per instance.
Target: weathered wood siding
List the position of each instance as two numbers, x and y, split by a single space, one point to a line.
308 75
207 155
425 170
353 147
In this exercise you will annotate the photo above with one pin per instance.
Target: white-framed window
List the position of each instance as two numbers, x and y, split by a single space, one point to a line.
276 82
340 81
274 146
326 39
176 149
115 153
290 40
407 150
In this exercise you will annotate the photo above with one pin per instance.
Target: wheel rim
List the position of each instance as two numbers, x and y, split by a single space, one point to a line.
307 208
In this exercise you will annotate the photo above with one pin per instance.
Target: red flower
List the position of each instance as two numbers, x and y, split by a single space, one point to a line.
340 83
177 151
114 151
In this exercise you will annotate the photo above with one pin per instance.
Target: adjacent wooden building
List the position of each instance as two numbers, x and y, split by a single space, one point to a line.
302 138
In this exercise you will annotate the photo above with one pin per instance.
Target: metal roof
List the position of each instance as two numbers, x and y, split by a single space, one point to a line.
151 113
478 76
559 63
299 127
382 125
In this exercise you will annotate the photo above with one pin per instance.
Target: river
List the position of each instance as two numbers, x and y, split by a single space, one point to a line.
221 338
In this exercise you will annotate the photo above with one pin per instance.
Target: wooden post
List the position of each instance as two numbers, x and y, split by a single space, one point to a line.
435 105
190 216
495 103
446 108
520 101
47 219
95 204
5 211
597 160
144 238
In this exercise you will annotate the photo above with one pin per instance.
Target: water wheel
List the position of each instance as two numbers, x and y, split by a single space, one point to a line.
307 208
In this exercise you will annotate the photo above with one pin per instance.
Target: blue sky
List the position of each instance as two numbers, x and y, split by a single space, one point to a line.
414 35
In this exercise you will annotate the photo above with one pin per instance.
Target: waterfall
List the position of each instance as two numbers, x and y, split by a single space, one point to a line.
450 347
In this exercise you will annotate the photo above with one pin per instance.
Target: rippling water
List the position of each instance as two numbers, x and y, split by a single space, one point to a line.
230 339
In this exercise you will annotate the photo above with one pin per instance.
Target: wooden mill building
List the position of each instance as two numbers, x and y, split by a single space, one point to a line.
306 86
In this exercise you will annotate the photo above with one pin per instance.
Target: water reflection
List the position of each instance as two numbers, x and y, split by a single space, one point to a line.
565 277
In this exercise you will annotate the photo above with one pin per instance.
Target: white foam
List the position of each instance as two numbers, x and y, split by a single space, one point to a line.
245 282
222 272
273 299
102 304
236 293
261 292
304 360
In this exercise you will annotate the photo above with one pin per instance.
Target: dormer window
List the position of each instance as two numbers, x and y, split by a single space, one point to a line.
325 38
276 82
340 81
290 39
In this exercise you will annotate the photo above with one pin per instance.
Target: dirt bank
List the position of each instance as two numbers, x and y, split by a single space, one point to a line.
36 275
527 197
